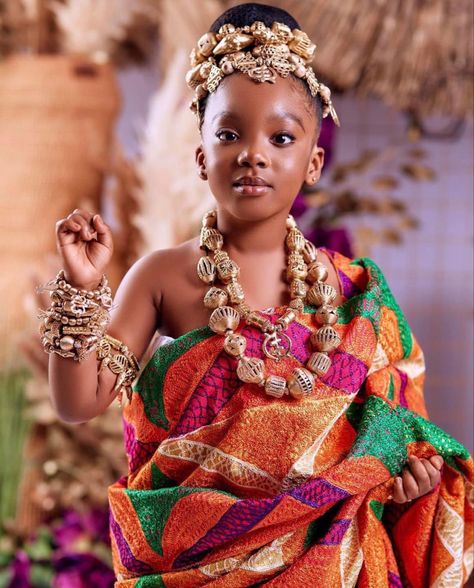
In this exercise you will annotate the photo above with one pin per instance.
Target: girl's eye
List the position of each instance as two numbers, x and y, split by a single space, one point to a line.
226 135
283 138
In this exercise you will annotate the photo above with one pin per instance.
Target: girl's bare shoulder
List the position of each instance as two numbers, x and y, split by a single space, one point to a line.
173 260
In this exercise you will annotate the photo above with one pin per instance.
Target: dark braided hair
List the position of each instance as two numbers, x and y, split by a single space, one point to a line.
244 15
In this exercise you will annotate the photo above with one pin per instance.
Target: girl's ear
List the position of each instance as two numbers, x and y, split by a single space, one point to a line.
315 166
201 163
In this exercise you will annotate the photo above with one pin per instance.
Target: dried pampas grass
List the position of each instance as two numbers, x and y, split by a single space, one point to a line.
173 198
96 27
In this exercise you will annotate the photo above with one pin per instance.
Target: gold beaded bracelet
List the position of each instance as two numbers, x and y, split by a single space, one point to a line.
75 324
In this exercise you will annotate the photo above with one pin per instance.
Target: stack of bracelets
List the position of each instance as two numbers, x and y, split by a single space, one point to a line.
75 324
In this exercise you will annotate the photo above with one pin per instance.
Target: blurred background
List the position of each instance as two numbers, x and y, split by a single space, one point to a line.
94 113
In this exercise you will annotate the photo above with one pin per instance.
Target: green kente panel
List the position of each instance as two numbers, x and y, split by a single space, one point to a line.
150 383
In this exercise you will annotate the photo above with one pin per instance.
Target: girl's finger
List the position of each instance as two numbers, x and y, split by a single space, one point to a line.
104 235
421 476
398 491
85 214
410 485
433 473
87 231
437 461
67 224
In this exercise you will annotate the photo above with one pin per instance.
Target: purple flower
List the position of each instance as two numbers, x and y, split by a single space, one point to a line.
82 571
20 568
75 526
299 206
326 140
336 239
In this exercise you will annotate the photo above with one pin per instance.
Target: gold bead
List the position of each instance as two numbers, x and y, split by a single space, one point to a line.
236 292
235 344
259 321
243 309
295 258
317 272
251 370
207 43
301 45
224 318
206 269
196 57
215 297
319 363
228 270
321 293
227 29
201 92
326 315
290 222
214 78
310 252
300 383
211 238
209 219
286 318
227 68
66 343
298 289
297 269
232 43
220 256
275 386
326 338
282 31
295 240
296 273
297 304
194 77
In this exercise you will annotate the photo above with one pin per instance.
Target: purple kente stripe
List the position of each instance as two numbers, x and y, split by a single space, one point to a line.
403 385
336 532
346 372
349 289
240 518
126 556
138 453
220 381
394 581
301 347
317 493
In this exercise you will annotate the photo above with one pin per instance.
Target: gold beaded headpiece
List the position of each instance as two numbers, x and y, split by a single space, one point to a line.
259 51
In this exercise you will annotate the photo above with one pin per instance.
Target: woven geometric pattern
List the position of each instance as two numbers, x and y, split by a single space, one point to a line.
230 487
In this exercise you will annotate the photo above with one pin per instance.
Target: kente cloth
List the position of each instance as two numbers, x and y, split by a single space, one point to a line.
228 487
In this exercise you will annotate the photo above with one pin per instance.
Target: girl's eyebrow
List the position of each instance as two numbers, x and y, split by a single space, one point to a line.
272 117
288 115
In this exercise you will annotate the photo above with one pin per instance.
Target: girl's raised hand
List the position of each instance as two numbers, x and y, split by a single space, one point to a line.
420 477
85 245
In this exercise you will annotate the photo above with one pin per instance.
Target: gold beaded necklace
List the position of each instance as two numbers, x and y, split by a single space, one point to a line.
228 308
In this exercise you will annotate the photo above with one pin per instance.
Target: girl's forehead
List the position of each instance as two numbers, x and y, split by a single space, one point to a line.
239 96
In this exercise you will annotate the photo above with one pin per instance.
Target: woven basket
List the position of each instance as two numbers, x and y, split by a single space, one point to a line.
56 122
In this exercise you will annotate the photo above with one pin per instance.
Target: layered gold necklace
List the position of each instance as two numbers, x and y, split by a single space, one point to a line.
306 277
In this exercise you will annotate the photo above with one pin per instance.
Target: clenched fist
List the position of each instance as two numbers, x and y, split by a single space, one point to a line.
419 478
85 245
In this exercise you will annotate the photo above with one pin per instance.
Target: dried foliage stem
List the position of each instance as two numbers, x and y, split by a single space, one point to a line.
13 433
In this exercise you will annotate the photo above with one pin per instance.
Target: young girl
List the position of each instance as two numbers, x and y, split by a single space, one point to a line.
278 434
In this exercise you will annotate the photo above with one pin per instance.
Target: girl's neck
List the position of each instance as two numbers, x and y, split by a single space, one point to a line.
252 237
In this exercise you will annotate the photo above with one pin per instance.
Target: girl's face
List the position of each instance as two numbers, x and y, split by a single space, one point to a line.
258 130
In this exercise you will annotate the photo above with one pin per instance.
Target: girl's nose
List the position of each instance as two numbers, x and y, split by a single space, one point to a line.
252 156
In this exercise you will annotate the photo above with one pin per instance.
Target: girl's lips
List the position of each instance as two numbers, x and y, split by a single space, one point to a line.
250 189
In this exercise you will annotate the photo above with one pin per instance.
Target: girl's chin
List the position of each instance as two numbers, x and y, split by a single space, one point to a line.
252 209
